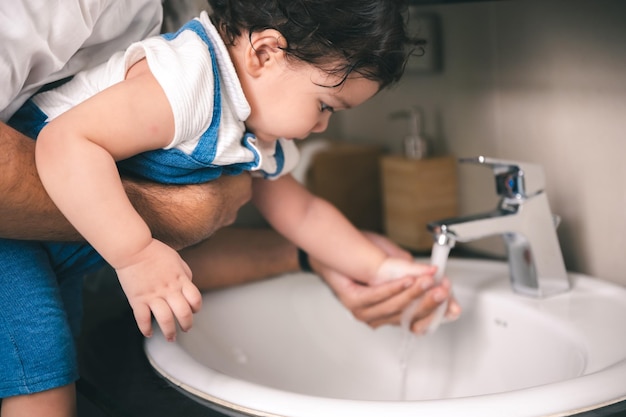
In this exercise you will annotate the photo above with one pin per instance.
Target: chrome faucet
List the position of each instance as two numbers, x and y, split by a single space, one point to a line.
523 218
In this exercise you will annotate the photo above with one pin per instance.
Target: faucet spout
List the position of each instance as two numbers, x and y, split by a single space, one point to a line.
473 227
528 229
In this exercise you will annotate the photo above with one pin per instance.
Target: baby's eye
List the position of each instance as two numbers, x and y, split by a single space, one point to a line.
326 107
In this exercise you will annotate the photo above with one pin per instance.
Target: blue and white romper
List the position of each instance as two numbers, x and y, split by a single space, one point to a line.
40 290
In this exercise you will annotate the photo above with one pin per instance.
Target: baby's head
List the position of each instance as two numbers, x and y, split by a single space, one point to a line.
363 36
341 42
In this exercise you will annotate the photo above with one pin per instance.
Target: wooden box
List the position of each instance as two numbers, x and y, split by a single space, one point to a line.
416 192
348 176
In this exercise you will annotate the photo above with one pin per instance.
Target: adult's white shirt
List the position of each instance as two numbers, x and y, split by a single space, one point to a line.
47 40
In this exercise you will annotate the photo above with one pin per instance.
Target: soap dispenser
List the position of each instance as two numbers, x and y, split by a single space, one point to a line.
415 144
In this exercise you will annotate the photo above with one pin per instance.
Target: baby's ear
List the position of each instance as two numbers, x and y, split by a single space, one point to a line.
264 51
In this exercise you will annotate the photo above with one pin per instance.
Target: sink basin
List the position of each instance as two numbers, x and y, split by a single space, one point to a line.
287 347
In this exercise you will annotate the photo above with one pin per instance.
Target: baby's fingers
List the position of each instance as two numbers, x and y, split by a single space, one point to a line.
164 317
143 318
193 296
182 310
394 268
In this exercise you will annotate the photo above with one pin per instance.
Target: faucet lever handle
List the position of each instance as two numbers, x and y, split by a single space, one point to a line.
513 179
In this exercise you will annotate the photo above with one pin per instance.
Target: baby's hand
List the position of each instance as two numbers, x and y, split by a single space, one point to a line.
396 268
159 282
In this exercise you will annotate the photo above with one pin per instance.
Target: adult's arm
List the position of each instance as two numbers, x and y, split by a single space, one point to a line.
234 256
178 215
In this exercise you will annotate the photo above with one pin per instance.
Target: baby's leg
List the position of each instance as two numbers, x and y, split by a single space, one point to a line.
38 363
57 402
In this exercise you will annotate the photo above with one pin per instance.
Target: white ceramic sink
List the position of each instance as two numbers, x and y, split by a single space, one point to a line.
287 347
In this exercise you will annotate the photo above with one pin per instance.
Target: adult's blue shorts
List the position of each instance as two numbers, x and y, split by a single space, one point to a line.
40 313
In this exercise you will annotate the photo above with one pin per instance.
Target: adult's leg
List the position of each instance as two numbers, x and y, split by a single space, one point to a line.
57 402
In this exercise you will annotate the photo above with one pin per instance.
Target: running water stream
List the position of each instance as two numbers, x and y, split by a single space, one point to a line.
439 257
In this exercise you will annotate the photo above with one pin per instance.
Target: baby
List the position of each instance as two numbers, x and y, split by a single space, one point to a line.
226 93
218 98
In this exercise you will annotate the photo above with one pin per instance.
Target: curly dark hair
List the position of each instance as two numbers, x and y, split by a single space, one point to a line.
367 37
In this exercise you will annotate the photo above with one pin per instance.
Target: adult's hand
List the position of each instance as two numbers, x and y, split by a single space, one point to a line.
384 303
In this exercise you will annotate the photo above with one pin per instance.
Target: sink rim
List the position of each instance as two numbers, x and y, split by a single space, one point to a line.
260 399
559 398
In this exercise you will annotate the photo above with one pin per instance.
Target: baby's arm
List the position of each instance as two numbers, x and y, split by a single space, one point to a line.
319 228
75 156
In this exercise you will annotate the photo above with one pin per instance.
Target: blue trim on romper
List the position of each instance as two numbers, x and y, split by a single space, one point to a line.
28 120
279 155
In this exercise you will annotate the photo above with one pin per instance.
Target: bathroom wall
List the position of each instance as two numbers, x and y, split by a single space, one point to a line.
542 81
